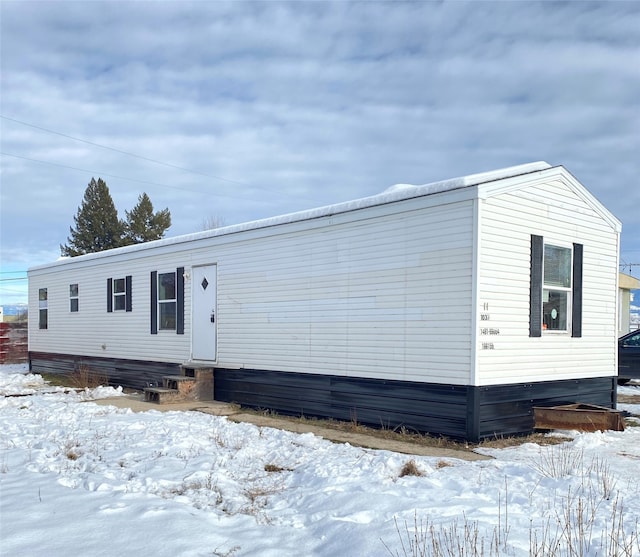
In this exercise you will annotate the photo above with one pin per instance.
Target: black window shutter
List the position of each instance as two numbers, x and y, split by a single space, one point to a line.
109 295
576 305
535 292
127 286
180 301
154 302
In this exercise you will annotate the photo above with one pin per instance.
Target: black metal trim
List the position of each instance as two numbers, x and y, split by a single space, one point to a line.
180 301
535 290
128 289
109 295
576 305
154 302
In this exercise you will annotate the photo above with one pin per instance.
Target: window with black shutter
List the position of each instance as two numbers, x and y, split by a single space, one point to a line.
167 301
119 294
556 288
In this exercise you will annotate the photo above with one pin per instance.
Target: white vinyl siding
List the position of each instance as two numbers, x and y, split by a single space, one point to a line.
390 299
383 297
95 332
554 211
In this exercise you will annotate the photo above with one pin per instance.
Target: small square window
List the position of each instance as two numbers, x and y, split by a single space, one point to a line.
554 310
167 286
557 266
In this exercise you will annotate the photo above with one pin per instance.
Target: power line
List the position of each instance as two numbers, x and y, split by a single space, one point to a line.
141 157
135 180
99 173
128 153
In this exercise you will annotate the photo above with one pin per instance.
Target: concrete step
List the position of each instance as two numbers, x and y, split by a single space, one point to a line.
200 372
195 384
161 395
178 382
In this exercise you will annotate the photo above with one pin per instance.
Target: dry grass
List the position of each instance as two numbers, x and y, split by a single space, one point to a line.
56 379
81 378
410 468
409 436
84 378
629 399
271 468
537 438
570 529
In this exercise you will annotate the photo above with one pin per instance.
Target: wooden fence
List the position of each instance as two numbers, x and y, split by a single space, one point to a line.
13 342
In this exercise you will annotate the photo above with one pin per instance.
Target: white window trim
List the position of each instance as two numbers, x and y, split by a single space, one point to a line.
119 295
567 290
173 300
43 305
76 297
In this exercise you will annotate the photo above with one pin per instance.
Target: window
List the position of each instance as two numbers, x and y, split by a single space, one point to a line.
43 317
556 288
632 340
73 298
119 294
167 301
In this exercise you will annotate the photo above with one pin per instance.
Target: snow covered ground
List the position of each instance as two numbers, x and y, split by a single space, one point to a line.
77 478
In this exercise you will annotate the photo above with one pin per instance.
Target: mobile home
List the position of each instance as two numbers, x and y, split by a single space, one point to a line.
451 308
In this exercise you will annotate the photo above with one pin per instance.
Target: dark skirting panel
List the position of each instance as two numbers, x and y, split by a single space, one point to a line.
455 411
134 374
459 412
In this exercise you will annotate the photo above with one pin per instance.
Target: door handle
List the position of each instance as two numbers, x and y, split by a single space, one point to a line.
213 317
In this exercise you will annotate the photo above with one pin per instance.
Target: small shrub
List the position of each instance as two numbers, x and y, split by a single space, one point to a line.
410 468
558 462
426 539
275 468
573 529
71 449
84 378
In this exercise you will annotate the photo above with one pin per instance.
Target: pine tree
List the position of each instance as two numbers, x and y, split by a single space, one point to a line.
143 225
97 225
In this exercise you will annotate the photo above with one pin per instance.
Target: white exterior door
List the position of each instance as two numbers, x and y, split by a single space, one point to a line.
204 313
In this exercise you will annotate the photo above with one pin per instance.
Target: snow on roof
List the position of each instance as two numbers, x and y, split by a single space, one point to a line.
397 192
465 181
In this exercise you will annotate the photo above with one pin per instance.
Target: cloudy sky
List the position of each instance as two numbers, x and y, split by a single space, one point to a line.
243 110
